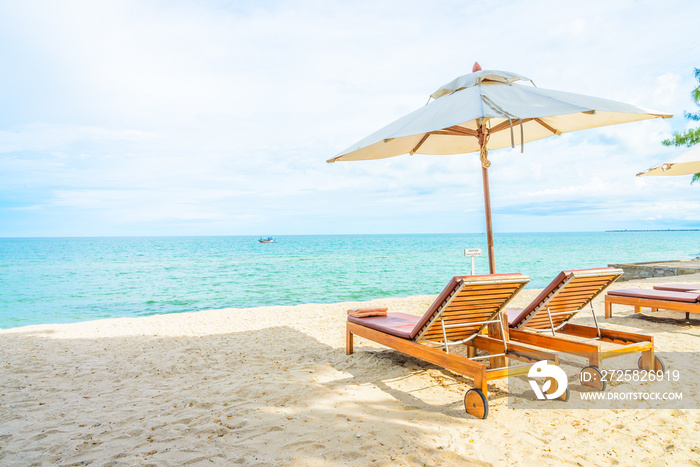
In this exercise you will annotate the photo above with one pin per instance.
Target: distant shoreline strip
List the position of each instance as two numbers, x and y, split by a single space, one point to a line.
656 230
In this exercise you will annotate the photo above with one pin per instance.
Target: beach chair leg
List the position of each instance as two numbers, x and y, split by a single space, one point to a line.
480 383
608 308
637 309
348 342
687 315
646 361
596 360
471 351
496 331
656 365
653 310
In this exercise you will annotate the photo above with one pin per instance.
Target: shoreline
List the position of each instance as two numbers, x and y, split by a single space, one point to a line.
273 385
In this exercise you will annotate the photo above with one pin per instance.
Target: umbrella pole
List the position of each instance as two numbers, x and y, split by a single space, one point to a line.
489 228
482 135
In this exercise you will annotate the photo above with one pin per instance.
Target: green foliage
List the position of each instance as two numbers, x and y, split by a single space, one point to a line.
692 136
687 138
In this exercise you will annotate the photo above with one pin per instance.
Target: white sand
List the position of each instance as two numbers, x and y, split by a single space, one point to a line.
273 386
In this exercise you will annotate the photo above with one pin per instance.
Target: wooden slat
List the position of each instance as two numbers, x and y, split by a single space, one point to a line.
537 321
438 331
543 320
475 305
456 321
469 314
472 309
578 292
565 304
566 301
491 286
573 295
576 284
589 280
471 301
593 278
564 307
452 336
586 285
473 298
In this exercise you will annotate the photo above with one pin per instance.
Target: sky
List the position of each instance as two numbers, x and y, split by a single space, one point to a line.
129 118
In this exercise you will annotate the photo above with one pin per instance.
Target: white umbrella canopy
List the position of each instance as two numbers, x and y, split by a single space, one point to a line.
460 106
486 110
687 163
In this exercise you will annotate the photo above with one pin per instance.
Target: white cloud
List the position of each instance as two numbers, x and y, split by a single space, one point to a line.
222 115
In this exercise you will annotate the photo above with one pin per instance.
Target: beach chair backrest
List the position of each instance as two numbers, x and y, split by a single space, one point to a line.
565 296
465 304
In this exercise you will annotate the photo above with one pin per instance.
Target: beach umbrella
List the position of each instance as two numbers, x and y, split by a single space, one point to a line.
486 110
687 163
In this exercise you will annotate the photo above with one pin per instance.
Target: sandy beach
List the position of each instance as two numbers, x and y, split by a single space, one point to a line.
272 385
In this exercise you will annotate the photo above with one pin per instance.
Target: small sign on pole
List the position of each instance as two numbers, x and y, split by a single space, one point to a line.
472 252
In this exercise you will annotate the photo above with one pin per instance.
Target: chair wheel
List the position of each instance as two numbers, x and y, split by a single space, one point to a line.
475 403
659 364
591 376
554 386
565 397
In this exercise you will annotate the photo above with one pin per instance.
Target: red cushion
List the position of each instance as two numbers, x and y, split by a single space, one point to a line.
396 324
515 316
678 287
658 295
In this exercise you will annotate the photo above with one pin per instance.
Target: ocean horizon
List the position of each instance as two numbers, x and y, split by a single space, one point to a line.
68 279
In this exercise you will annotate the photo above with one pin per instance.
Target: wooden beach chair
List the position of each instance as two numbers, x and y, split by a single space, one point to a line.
465 308
675 297
551 311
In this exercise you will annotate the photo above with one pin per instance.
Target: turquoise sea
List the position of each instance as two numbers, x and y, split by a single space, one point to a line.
60 280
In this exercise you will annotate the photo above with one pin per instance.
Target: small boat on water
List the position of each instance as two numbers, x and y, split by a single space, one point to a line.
267 240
